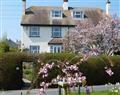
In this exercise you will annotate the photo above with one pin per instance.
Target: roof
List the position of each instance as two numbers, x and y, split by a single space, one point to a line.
40 15
56 41
11 43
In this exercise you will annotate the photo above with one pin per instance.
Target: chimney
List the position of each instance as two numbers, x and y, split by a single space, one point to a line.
108 3
24 6
65 4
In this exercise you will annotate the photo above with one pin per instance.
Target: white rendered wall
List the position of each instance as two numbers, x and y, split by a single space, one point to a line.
42 41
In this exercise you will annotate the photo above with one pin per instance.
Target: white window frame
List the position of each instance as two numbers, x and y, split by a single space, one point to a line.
56 16
34 33
54 30
33 50
78 13
55 48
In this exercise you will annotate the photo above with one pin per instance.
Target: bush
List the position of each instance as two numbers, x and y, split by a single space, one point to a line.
93 68
47 57
11 71
4 47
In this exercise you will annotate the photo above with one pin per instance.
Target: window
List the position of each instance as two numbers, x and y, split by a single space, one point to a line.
34 31
34 49
56 32
56 14
55 48
77 14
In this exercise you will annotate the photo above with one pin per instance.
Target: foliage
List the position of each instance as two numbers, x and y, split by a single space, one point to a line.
92 93
103 38
94 69
4 47
47 57
11 71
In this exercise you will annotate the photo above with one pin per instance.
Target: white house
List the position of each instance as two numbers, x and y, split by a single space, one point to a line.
44 27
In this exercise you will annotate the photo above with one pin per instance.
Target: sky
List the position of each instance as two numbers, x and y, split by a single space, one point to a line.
11 12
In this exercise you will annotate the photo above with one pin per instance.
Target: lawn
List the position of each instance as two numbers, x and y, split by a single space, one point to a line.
28 74
96 93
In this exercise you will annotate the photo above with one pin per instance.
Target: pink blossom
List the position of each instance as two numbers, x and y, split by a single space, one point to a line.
109 72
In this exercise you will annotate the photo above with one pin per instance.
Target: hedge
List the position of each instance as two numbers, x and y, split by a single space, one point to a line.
93 68
11 71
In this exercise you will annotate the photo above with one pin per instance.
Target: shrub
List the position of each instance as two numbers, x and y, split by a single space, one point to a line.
11 71
47 57
4 47
93 68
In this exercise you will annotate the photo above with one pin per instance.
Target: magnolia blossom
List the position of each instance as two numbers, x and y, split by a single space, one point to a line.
102 38
71 75
41 91
109 72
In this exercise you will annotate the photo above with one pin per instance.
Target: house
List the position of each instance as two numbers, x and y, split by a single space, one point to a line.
11 43
44 27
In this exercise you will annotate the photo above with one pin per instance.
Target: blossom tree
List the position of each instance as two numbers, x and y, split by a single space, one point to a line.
87 39
103 38
63 72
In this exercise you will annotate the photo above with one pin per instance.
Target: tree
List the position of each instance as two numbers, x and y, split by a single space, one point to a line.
4 47
103 38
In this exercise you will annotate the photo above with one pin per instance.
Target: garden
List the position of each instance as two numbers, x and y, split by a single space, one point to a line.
88 60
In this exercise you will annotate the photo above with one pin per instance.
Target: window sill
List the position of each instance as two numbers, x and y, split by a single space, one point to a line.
56 17
56 37
78 18
34 36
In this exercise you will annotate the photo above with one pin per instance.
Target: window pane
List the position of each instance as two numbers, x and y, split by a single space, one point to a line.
34 31
55 48
59 50
77 14
56 13
34 49
56 32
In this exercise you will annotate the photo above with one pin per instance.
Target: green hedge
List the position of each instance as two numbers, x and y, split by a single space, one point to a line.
11 71
95 71
47 57
10 77
93 68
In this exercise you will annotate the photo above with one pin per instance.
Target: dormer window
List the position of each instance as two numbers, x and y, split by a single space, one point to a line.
56 14
78 14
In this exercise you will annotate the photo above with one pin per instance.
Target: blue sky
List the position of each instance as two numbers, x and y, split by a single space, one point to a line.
11 10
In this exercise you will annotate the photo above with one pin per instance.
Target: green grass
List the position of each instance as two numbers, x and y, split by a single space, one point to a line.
93 93
28 74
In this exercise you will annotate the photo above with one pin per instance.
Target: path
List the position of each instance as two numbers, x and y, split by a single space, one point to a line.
50 91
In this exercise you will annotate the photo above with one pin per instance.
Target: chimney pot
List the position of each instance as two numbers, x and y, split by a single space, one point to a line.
107 7
108 2
65 0
65 4
24 6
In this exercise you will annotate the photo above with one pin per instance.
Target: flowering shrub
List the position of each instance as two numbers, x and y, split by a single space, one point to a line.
69 73
102 38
